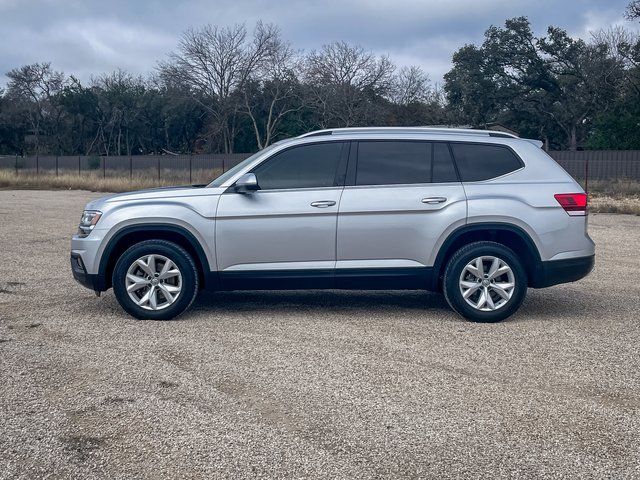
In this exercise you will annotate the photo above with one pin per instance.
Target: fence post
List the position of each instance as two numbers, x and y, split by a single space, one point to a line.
158 167
37 165
130 168
16 165
222 164
56 165
586 175
190 169
79 172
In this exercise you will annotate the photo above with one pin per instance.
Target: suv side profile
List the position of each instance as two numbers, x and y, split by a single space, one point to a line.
478 215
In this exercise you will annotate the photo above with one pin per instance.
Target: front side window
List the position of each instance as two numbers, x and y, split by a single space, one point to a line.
389 163
478 162
304 166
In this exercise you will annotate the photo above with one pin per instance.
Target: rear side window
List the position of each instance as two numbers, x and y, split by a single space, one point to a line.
404 162
389 163
481 162
305 166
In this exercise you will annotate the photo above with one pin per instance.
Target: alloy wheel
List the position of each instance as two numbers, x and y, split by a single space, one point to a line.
487 283
153 282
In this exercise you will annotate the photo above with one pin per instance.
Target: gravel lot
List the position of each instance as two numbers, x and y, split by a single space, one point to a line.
311 384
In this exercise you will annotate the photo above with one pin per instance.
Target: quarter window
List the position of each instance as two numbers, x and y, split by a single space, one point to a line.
305 166
481 162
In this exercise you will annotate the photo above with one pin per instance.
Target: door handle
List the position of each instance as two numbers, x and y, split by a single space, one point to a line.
434 200
323 203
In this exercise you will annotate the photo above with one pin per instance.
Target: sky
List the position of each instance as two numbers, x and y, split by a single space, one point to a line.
87 38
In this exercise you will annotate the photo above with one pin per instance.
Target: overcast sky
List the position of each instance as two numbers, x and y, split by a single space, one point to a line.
87 37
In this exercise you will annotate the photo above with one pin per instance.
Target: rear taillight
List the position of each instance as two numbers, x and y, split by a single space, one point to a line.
573 203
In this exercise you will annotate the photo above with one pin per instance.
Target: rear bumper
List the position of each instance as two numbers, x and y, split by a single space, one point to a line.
80 274
554 272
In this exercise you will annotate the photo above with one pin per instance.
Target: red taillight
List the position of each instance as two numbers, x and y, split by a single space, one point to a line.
573 203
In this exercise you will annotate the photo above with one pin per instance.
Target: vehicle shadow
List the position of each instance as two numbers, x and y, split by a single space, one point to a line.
320 300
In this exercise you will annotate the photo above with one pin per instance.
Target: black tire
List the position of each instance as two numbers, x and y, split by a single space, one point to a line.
455 267
179 256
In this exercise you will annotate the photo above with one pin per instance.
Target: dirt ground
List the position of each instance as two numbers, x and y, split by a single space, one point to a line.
311 384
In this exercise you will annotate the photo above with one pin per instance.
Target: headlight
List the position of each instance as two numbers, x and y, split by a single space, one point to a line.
88 221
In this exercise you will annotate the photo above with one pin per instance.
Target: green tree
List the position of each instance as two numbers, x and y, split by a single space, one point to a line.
556 83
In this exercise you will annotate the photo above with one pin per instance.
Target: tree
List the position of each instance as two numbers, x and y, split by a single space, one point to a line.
215 63
272 91
633 10
555 82
343 81
410 85
34 88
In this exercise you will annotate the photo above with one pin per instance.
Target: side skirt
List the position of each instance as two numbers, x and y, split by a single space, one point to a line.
344 279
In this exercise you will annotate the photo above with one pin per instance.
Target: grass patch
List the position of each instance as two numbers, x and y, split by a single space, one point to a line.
95 183
614 196
629 204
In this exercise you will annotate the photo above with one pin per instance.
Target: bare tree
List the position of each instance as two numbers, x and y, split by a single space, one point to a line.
215 63
617 39
623 45
342 78
273 91
411 85
119 106
633 10
35 86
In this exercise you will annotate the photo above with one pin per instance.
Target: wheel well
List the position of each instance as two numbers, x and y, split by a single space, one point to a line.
115 249
514 238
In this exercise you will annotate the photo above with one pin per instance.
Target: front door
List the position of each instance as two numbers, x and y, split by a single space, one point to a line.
284 234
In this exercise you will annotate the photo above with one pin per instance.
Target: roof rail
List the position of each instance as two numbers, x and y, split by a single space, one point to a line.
408 130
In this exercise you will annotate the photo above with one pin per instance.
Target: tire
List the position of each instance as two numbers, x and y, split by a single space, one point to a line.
171 293
500 301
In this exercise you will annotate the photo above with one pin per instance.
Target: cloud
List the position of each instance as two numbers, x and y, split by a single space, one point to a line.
89 37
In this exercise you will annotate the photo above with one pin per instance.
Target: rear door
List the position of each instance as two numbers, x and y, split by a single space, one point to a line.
401 197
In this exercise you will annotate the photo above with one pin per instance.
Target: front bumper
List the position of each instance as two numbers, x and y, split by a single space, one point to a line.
80 273
554 272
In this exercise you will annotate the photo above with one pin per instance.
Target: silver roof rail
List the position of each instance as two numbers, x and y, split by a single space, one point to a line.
408 130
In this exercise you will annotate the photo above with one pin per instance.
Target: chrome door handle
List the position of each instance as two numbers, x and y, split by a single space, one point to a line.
323 203
434 200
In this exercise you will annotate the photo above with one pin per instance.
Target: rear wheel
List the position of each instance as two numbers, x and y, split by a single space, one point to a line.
485 282
155 280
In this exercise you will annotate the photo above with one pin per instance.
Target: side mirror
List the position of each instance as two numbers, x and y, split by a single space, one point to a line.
247 183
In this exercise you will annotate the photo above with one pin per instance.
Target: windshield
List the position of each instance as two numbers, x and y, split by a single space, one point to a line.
232 171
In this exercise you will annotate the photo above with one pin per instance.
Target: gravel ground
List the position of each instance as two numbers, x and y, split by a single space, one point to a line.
311 384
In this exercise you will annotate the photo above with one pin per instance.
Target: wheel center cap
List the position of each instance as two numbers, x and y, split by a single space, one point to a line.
154 281
486 283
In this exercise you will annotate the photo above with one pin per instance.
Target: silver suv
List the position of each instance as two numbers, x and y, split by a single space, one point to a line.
479 215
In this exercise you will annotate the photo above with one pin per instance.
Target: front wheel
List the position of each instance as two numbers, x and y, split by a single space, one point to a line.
155 280
485 282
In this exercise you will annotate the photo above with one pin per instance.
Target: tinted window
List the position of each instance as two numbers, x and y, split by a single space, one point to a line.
388 163
443 168
306 166
482 162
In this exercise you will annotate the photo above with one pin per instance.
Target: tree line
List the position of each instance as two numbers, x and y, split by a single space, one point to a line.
234 89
